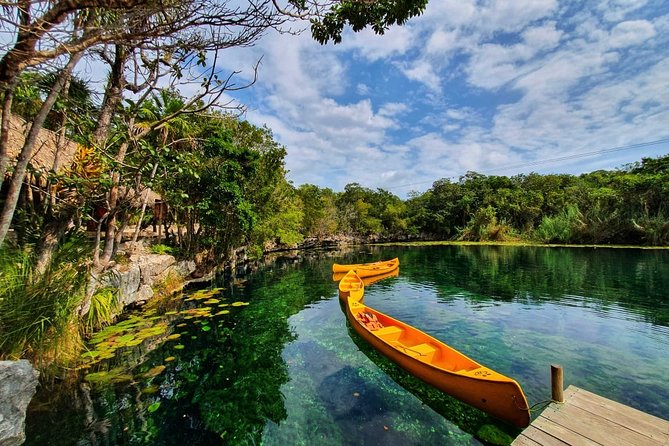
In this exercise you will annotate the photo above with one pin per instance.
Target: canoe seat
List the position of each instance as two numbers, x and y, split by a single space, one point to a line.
389 333
424 352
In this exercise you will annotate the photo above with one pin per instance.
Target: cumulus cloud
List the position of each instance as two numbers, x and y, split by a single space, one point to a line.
470 85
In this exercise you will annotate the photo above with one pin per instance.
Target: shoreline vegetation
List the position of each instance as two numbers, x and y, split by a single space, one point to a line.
46 314
514 243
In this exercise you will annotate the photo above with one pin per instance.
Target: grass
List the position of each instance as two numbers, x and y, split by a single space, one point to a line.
104 307
38 313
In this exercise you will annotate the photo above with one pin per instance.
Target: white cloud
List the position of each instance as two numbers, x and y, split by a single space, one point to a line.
632 32
393 109
442 42
617 10
509 16
422 71
394 42
544 83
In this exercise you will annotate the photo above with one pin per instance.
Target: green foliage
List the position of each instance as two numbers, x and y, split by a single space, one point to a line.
560 228
653 230
160 248
38 312
379 15
104 306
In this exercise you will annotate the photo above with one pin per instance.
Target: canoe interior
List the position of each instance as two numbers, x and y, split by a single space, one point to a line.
352 287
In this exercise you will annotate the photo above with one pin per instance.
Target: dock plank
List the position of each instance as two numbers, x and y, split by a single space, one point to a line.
543 436
523 440
566 435
643 423
592 420
596 428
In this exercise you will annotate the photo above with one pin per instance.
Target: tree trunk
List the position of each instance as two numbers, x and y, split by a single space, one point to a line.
52 233
26 152
4 128
144 203
112 203
113 95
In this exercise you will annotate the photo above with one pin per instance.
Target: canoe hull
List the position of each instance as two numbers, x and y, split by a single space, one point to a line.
368 269
336 277
480 387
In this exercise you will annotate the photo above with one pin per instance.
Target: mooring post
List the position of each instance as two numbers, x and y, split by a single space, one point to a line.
557 387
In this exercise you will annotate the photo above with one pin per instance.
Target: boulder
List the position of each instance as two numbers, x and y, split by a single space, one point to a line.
152 266
18 381
127 282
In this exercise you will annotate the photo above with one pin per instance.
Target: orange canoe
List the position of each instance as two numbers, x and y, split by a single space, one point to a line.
439 365
368 269
351 286
336 277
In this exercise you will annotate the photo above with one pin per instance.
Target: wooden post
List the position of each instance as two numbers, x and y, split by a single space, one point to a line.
557 387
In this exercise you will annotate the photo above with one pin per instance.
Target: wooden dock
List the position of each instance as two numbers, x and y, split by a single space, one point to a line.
588 419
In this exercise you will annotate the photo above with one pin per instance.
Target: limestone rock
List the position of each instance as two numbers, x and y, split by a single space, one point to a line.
152 266
18 381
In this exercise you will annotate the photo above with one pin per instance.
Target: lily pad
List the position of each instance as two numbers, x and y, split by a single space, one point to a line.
110 377
154 371
179 347
150 390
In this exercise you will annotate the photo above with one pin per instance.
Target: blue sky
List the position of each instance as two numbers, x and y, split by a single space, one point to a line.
498 87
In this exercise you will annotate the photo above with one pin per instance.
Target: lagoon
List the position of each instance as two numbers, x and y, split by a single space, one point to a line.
286 369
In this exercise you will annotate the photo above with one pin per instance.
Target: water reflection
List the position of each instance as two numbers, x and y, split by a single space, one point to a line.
284 369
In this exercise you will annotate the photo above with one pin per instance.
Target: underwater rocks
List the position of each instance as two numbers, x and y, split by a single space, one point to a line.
18 381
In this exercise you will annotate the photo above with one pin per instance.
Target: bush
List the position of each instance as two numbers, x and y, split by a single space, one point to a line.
561 228
159 248
483 226
653 230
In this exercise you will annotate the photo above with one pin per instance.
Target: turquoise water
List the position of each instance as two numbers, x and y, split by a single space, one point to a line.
287 370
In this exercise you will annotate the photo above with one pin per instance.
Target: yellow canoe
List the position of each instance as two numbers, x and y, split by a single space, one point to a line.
438 364
336 277
368 269
351 286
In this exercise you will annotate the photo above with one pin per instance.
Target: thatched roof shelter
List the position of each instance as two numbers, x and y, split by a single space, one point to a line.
50 151
55 153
